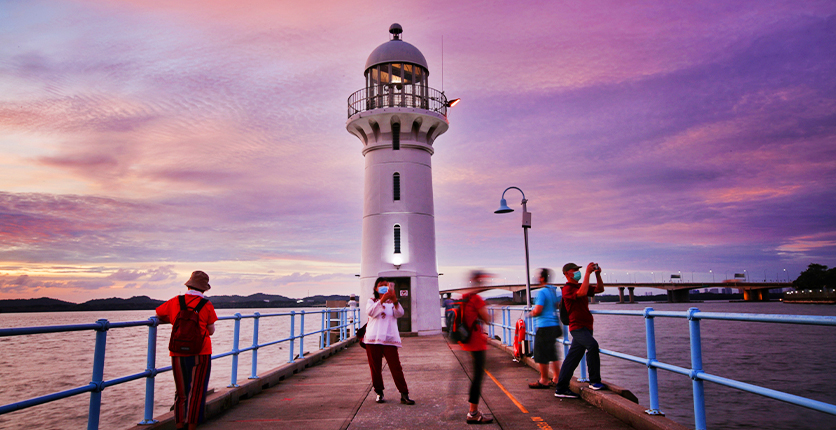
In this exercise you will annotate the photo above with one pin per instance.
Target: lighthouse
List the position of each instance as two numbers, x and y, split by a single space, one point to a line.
397 118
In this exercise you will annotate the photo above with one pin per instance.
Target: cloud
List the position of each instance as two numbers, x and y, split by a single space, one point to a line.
144 133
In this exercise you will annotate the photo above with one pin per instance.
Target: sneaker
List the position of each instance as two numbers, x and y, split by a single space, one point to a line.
566 393
379 398
478 418
406 400
597 386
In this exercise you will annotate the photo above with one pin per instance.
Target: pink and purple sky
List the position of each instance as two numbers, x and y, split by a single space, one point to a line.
141 140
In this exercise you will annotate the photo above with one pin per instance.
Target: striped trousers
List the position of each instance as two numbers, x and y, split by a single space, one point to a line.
191 380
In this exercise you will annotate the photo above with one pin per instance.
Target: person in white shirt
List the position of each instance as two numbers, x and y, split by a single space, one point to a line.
383 340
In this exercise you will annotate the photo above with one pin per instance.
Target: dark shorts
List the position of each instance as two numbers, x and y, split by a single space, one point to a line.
545 344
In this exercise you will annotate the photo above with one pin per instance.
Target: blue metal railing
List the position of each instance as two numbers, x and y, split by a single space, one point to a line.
98 384
695 373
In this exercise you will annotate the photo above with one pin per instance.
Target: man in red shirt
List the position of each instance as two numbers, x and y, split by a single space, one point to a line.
473 313
191 372
576 299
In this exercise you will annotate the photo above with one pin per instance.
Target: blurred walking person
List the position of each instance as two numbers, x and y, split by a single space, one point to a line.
473 314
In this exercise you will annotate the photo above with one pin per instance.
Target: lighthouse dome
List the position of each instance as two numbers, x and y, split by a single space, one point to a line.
396 51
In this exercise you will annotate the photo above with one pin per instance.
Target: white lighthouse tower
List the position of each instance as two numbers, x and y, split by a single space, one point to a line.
397 117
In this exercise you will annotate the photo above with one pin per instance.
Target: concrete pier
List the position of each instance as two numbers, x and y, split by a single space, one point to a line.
335 393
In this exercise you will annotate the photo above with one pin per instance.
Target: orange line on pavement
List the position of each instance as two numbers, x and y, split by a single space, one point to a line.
513 399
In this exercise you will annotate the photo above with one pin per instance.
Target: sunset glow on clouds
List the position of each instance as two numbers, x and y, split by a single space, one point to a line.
142 140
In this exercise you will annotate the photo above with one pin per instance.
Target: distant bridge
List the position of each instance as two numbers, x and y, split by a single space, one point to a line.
678 292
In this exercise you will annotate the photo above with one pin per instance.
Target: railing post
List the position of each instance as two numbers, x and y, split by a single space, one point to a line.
343 322
328 326
254 372
696 369
652 382
233 377
322 332
302 333
505 325
529 332
584 377
490 326
151 367
98 375
292 334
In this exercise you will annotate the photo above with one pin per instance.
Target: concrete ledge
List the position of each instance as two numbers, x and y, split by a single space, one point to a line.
615 400
226 398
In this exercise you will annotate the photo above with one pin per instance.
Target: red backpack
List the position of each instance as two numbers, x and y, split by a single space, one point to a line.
186 336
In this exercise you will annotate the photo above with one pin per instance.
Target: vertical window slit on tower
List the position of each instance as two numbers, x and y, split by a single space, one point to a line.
396 186
397 239
396 136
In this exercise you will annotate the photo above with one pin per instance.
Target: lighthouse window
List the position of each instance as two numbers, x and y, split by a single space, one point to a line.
396 186
397 73
396 136
397 239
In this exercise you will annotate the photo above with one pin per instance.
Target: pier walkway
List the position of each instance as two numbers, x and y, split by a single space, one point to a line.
336 394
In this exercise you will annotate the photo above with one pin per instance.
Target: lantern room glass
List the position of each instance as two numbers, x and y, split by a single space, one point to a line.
397 84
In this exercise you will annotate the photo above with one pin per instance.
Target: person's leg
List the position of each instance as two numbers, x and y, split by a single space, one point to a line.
476 383
593 357
555 365
392 358
473 415
573 358
544 373
540 356
197 392
181 378
375 356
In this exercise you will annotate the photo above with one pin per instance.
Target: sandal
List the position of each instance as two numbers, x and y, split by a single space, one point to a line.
538 386
478 418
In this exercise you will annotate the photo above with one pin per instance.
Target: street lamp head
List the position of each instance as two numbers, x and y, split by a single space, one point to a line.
503 207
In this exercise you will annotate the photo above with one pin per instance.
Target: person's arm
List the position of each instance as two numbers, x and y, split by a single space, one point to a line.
374 308
391 297
162 313
584 289
210 329
536 310
484 315
600 287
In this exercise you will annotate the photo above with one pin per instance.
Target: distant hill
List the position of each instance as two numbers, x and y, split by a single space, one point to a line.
259 300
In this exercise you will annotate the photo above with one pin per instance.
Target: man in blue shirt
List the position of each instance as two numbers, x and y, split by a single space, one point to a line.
548 330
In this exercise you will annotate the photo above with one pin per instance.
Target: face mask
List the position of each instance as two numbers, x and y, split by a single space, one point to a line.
577 276
383 290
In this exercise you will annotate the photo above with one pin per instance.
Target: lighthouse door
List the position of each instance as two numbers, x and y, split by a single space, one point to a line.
403 290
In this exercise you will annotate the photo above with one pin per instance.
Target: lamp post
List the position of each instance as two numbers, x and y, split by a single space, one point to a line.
787 275
712 276
526 224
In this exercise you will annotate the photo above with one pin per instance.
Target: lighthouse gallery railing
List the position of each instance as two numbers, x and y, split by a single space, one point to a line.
397 95
348 318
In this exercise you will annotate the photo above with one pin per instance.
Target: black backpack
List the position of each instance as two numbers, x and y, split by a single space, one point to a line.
457 330
186 336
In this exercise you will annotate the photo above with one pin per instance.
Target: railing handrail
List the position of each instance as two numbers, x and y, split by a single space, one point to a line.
695 373
399 95
96 386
